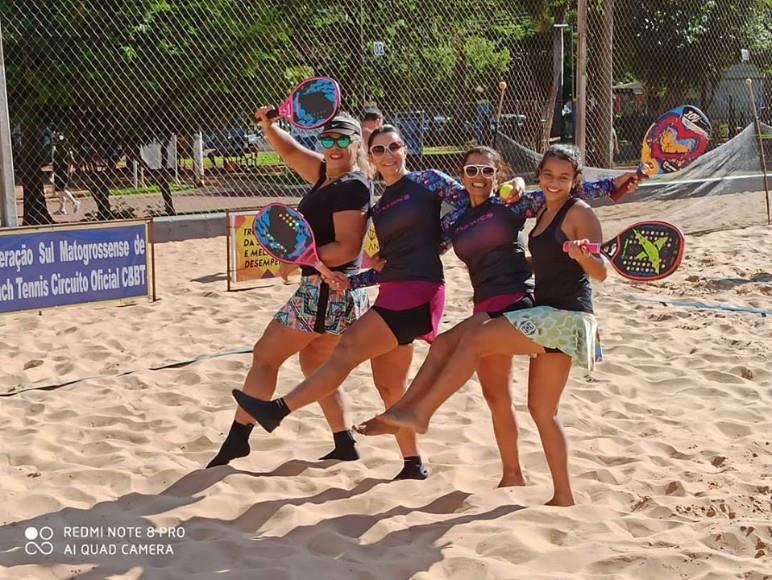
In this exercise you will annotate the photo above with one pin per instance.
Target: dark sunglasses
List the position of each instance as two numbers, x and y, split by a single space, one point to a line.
475 170
341 142
394 146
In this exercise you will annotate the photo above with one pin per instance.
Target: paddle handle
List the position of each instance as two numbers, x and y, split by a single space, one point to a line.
284 110
593 248
311 258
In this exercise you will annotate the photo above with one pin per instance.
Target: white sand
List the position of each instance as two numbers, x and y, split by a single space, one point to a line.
671 438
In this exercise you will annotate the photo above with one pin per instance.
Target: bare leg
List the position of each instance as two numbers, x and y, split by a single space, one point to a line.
442 348
333 406
66 194
313 356
366 339
496 336
495 373
277 344
547 378
390 376
75 202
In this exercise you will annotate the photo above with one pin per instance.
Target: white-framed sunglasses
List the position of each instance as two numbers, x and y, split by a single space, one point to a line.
475 170
394 146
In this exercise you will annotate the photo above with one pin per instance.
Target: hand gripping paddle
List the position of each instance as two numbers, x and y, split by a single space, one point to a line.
644 252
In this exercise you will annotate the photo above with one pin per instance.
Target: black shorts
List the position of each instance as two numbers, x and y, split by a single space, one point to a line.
60 183
522 304
407 325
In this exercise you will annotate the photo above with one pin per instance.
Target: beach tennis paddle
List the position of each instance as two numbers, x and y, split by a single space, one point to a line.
672 142
644 252
286 235
311 104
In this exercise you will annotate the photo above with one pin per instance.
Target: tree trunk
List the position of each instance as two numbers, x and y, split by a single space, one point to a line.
600 114
31 160
100 191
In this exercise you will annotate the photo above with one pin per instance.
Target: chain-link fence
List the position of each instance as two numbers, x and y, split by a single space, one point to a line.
137 108
115 99
644 60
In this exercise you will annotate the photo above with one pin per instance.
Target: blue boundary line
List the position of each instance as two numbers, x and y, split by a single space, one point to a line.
704 306
172 365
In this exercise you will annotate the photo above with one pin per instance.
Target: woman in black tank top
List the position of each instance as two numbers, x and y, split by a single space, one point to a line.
560 327
315 316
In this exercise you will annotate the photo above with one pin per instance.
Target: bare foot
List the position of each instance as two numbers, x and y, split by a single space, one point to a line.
512 480
561 500
405 420
375 426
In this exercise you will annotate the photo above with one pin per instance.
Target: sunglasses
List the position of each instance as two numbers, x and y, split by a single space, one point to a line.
394 146
341 142
475 170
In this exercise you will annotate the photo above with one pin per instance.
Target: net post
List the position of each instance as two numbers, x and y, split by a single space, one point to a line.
749 82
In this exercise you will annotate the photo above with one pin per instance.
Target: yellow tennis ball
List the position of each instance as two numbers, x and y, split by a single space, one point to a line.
509 188
503 86
748 82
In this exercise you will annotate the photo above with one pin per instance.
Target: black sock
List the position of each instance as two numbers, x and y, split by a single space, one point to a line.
236 445
267 413
413 469
345 447
282 410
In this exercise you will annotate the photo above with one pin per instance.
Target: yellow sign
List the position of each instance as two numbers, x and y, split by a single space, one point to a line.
251 262
371 247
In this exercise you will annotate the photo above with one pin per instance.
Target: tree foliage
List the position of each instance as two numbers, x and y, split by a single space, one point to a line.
681 48
114 75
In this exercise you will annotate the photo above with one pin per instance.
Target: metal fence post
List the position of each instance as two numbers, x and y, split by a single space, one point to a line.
581 76
8 216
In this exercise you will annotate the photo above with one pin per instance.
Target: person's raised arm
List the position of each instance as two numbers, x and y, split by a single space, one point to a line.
529 203
301 160
453 198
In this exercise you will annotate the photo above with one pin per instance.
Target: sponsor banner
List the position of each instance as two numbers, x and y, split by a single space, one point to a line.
66 265
249 261
371 247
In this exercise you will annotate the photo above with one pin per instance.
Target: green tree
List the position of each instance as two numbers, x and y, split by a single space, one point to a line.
678 49
115 75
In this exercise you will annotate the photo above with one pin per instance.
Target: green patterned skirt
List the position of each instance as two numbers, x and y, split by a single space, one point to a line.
573 333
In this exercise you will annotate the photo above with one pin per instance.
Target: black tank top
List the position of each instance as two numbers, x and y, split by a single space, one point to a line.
560 281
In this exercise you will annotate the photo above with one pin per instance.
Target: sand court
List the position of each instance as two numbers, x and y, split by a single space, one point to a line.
671 452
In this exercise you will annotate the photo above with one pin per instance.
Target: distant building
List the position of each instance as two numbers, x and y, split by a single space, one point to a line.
731 101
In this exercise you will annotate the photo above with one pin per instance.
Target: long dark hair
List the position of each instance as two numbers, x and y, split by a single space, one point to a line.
564 153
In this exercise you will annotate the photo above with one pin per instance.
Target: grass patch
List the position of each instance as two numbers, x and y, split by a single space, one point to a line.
263 158
443 150
150 189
